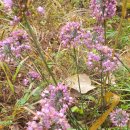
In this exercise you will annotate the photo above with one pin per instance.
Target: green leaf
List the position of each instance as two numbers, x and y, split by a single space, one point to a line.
2 65
77 110
27 95
6 123
18 69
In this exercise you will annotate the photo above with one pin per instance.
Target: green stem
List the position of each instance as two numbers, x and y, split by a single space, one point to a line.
42 74
77 71
102 88
37 67
74 121
120 24
39 50
128 69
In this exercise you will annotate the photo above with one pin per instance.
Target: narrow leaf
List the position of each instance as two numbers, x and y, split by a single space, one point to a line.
18 69
112 99
8 80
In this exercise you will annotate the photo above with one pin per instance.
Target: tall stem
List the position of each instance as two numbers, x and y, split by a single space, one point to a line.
124 7
102 87
77 71
39 50
103 91
128 69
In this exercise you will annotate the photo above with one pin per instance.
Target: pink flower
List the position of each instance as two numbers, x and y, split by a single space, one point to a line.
25 82
8 4
15 21
71 33
34 75
40 10
93 59
97 7
54 104
16 43
119 117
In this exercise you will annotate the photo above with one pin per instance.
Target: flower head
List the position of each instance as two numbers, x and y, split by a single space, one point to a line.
103 10
8 4
58 97
25 82
15 44
98 35
54 104
93 59
15 21
40 10
34 75
119 117
105 54
70 33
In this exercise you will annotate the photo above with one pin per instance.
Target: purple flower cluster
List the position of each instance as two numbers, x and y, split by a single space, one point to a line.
15 21
105 50
86 38
14 45
25 81
41 10
103 9
31 76
98 35
34 75
109 65
104 53
54 104
93 59
73 34
70 33
8 4
99 52
119 117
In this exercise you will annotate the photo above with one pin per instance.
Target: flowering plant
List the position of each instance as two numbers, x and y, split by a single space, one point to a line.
119 117
54 105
